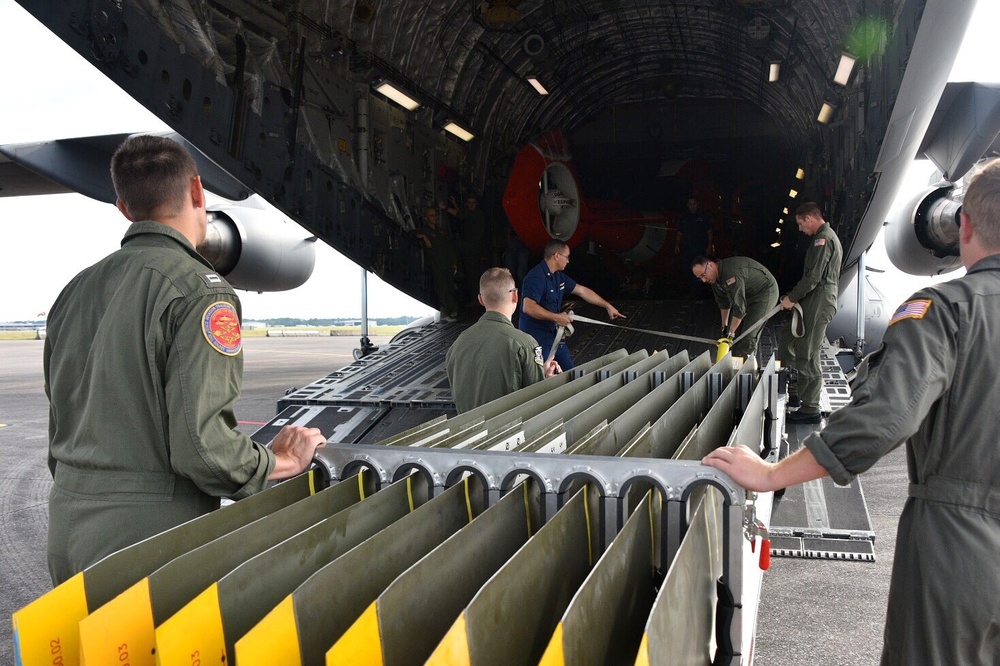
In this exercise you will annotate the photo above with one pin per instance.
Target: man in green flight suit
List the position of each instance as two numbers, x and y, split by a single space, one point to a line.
816 292
492 357
926 386
143 362
744 291
440 255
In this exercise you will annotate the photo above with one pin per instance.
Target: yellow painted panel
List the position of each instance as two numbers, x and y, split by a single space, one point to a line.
554 652
120 631
274 641
454 647
642 659
193 636
46 631
361 644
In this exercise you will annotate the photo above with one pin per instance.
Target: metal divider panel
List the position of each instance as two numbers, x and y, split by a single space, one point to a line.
506 438
528 393
55 615
634 409
212 622
548 400
511 619
689 443
605 621
717 426
466 436
750 430
550 440
609 398
131 617
681 625
382 558
584 443
672 425
423 435
416 610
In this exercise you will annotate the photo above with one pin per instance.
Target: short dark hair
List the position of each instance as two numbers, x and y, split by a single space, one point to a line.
701 260
553 248
809 208
150 172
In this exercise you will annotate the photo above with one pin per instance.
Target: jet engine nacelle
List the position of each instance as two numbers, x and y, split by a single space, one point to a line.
256 252
921 237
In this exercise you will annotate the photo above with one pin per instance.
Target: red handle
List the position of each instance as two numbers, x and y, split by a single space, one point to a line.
753 545
765 554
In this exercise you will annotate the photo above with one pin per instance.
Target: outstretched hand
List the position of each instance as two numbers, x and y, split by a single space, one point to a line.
743 466
613 312
294 448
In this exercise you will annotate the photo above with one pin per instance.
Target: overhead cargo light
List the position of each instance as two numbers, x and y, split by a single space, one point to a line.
826 112
800 174
778 244
537 85
793 193
774 71
778 230
781 220
458 130
395 94
784 211
844 69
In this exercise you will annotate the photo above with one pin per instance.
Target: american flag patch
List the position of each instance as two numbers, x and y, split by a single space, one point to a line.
731 281
911 310
820 241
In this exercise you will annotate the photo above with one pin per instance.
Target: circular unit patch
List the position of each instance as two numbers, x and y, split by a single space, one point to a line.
221 326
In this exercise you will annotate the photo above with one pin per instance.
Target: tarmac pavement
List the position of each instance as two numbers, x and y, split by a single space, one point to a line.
816 612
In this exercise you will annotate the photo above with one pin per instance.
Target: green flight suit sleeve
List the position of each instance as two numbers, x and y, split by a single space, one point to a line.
817 259
897 386
530 369
202 385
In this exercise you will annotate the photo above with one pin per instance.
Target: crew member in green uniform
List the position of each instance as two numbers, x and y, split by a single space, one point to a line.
440 255
143 363
927 386
470 240
744 291
816 292
492 358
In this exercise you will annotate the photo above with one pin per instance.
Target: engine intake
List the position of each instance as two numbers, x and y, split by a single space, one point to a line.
921 237
256 252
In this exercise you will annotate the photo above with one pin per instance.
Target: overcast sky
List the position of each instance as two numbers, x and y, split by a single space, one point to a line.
51 92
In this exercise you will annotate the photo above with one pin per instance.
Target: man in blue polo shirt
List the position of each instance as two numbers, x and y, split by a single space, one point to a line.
543 290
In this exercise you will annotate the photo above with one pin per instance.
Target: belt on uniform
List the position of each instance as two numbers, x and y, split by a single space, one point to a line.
960 493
